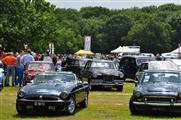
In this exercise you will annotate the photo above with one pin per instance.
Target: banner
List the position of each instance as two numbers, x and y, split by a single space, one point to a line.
87 43
51 48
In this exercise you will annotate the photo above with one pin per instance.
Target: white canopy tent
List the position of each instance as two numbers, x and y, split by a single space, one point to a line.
125 49
177 51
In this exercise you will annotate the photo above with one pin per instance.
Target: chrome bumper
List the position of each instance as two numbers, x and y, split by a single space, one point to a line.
46 101
156 104
106 83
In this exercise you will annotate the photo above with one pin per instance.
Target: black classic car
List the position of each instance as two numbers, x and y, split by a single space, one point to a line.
75 65
102 73
53 92
157 91
35 67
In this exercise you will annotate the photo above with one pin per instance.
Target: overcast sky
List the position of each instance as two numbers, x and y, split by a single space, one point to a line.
112 4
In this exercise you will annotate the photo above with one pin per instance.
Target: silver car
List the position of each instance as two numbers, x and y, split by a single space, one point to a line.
155 65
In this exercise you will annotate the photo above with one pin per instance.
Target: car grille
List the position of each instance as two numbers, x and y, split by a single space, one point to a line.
159 99
41 98
108 78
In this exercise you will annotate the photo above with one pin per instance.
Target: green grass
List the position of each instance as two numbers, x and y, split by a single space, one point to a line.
103 105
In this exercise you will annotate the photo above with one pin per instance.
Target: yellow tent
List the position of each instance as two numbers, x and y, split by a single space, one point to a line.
84 52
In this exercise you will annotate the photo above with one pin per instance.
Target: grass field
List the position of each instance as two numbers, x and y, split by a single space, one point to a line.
103 105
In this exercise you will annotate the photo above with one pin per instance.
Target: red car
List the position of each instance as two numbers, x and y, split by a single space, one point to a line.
35 67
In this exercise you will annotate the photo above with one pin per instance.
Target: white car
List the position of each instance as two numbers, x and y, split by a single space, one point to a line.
155 65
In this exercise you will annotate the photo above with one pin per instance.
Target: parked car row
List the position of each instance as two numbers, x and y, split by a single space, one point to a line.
45 89
158 82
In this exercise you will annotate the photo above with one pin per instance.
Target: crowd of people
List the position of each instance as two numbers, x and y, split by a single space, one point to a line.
14 64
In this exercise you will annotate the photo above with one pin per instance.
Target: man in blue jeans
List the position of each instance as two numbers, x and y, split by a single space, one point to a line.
19 68
10 62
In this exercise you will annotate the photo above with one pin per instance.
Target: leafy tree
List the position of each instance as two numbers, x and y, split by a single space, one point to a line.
88 12
175 21
67 41
37 23
169 7
93 27
67 14
115 29
152 36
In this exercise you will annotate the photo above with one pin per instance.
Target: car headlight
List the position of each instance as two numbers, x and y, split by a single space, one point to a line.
21 94
179 94
30 77
137 94
64 95
95 75
121 75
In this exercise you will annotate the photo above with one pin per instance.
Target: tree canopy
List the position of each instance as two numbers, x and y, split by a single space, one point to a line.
37 23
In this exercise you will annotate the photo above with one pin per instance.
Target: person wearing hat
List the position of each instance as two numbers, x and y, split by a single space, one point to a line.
10 62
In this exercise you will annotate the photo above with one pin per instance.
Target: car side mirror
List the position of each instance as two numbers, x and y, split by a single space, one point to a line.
31 81
136 83
79 82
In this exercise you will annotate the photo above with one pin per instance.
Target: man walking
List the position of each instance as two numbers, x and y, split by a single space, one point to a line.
10 62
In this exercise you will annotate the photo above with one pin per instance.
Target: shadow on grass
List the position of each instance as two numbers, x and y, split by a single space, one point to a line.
159 114
50 114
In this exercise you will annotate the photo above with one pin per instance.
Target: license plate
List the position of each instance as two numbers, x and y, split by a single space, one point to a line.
159 108
38 103
29 107
51 107
107 86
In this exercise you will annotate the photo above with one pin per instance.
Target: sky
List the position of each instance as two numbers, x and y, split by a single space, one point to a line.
111 4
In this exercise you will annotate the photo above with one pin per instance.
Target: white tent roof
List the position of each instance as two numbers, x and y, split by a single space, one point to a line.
176 51
125 49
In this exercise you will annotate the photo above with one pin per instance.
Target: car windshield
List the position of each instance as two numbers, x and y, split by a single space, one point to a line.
82 63
54 78
40 67
161 77
105 65
162 66
127 61
141 60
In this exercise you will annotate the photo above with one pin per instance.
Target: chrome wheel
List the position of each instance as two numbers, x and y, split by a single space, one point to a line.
71 106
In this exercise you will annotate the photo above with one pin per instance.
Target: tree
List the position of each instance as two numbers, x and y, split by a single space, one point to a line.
169 7
175 21
67 41
92 27
88 12
115 29
153 36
